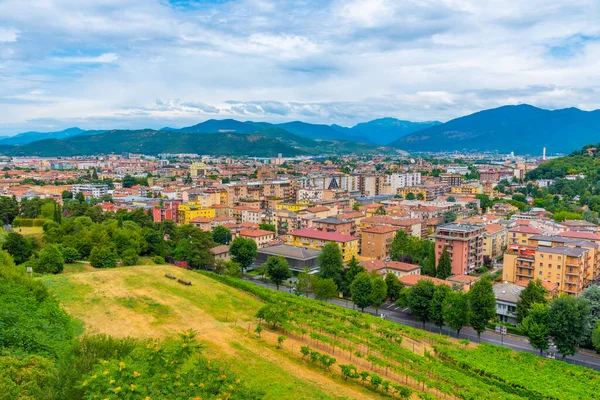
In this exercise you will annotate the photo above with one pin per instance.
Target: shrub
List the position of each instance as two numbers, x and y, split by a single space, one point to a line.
50 261
103 257
130 257
70 255
158 260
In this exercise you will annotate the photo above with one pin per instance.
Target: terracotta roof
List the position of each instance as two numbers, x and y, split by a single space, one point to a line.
317 209
548 285
493 228
580 235
327 236
374 265
410 280
463 278
220 249
255 232
525 229
380 229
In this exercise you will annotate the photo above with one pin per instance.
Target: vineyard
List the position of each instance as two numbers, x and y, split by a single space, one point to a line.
393 359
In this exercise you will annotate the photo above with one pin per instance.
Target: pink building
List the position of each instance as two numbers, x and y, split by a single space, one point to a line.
464 243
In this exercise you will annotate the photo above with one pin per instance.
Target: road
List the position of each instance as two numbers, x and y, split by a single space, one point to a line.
402 316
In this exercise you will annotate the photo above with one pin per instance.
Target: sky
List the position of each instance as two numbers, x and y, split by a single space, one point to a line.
100 64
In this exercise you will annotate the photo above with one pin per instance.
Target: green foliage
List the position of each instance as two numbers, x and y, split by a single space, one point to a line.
243 251
273 314
535 292
103 257
26 378
444 268
349 273
448 217
159 260
410 249
394 286
169 369
455 311
306 282
50 261
567 319
482 304
278 270
437 304
596 336
221 235
70 254
419 299
361 290
9 209
130 257
331 263
267 227
535 326
18 246
378 291
325 289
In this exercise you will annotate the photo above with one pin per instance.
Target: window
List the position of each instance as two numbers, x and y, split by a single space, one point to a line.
540 273
541 256
549 265
550 257
558 267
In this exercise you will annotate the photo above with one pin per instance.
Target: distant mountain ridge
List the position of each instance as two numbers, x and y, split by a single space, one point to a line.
28 137
524 129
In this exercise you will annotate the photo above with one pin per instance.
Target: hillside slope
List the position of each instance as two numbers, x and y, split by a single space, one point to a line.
523 129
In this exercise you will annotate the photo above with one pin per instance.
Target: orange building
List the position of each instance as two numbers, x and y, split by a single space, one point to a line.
376 241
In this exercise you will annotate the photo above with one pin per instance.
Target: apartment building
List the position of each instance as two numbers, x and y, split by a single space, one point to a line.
495 240
314 239
168 211
260 236
189 211
376 241
383 267
96 189
464 242
570 264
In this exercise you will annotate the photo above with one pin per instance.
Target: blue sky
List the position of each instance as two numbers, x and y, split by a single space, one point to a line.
150 63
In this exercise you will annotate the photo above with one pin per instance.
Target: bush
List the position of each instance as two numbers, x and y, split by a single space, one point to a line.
70 255
130 257
50 261
158 260
103 257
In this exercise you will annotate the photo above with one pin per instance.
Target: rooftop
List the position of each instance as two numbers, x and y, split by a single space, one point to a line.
320 235
284 250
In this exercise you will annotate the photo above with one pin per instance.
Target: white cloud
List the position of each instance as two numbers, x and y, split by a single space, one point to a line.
337 61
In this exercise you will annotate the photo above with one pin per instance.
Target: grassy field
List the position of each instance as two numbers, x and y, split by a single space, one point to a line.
140 301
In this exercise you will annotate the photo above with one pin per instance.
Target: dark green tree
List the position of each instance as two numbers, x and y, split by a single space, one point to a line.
325 289
349 273
394 286
331 263
9 209
535 292
437 305
419 299
278 270
18 246
267 227
306 282
429 263
444 268
361 290
379 291
103 257
567 319
455 310
535 326
482 305
243 251
50 260
221 235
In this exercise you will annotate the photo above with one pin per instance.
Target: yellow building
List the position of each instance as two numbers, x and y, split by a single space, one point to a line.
467 189
293 207
189 211
495 241
197 168
314 239
415 191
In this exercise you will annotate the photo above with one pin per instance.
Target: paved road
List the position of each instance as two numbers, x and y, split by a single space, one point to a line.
402 316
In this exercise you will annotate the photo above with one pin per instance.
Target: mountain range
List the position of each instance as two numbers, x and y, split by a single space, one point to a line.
523 129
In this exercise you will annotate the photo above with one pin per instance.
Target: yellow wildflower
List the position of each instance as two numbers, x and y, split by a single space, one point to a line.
94 376
111 381
136 374
84 383
121 366
132 387
117 389
105 372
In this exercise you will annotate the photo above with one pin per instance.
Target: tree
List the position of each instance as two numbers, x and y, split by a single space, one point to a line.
380 211
278 270
419 299
18 246
221 235
567 318
103 257
70 254
354 268
596 336
50 261
535 292
429 263
361 289
455 310
130 257
306 282
331 263
451 199
325 289
379 291
437 305
243 251
535 326
448 217
410 196
267 227
420 196
9 209
394 286
444 268
482 305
